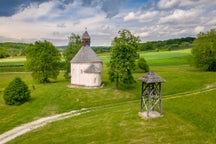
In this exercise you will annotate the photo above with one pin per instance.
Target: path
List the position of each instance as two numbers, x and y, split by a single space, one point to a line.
20 130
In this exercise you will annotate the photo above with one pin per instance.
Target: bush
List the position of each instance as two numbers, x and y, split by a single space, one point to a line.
16 93
142 65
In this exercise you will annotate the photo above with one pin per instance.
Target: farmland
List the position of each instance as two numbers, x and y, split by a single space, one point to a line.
188 106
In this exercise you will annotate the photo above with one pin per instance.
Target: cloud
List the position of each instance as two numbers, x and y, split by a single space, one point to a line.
180 16
110 7
61 25
167 4
54 20
199 29
141 16
8 8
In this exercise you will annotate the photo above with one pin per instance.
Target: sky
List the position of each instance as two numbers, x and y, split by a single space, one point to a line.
54 20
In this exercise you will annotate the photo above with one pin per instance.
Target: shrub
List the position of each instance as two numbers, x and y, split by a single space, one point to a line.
16 93
142 65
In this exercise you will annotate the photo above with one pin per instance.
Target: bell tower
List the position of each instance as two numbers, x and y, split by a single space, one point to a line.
86 38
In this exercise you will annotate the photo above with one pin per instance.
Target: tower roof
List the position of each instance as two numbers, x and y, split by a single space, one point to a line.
85 54
151 77
85 35
86 39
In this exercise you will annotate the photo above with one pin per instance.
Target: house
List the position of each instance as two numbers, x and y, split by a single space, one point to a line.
86 66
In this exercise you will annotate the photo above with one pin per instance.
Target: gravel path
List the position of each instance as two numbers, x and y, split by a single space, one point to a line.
20 130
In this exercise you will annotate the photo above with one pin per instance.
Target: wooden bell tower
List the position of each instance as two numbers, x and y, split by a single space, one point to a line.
151 98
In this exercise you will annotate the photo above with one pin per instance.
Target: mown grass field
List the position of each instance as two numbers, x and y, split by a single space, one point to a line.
189 107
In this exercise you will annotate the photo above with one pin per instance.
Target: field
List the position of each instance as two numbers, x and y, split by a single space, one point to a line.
189 114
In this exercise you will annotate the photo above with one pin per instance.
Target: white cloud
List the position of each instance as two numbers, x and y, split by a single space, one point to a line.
38 23
196 3
143 34
180 16
131 16
141 16
167 4
151 21
199 29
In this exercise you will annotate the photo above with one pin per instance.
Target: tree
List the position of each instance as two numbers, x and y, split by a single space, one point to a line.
73 47
43 60
204 50
142 64
16 93
123 56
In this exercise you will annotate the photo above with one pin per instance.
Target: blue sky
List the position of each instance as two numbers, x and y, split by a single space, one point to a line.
54 20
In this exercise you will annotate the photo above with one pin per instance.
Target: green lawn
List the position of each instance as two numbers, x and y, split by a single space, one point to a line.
187 119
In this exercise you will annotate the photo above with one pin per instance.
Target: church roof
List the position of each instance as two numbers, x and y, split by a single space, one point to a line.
85 54
151 77
92 69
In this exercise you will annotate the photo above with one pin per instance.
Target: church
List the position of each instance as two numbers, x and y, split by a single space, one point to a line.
86 66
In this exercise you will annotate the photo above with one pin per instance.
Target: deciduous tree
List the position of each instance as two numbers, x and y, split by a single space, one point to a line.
75 43
204 50
43 60
123 56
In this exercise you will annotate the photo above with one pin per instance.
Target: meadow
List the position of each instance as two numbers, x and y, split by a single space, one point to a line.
189 114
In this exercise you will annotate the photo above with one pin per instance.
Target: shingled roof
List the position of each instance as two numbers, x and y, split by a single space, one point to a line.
85 54
151 77
85 35
92 69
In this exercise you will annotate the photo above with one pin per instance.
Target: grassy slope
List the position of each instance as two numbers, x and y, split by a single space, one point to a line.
119 124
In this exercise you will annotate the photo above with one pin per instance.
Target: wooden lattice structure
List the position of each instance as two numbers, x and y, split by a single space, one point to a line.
151 98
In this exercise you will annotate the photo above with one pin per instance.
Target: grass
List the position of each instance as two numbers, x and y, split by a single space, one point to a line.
188 119
121 124
12 64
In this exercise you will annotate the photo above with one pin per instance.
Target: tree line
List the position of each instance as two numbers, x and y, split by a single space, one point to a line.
170 44
10 49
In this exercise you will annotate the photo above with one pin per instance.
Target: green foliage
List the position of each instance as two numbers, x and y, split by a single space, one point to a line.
170 44
204 51
101 49
122 59
142 65
4 53
73 47
43 60
16 93
12 49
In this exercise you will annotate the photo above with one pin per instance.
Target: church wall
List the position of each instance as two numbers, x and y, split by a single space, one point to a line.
79 77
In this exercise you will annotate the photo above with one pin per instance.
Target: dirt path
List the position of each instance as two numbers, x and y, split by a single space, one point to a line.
20 130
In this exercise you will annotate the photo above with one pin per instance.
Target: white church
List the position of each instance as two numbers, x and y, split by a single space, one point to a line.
86 66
